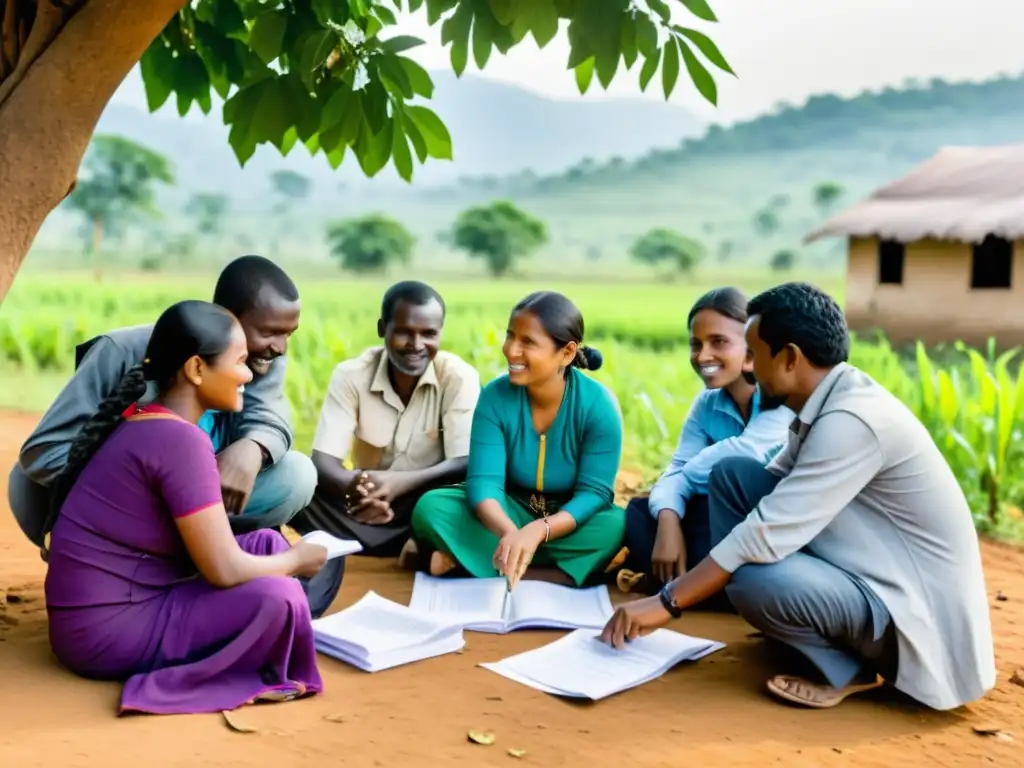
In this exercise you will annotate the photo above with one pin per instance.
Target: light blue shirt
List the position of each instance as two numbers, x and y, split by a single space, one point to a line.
208 423
715 430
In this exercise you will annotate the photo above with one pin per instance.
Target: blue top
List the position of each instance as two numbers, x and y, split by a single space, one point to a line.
715 430
577 458
208 423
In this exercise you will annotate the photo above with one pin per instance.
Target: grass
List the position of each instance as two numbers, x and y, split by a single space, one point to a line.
971 401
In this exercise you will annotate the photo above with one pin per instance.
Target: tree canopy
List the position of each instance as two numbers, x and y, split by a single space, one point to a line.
370 243
499 233
666 246
327 73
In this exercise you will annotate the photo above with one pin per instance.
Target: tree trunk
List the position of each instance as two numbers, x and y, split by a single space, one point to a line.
67 70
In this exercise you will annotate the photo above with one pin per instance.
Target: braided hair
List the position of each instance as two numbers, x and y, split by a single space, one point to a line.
184 330
563 323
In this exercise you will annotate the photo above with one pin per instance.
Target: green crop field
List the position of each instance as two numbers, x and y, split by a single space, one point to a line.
971 401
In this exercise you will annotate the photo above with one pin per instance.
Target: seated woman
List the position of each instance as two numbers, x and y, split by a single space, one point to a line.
146 582
669 531
544 451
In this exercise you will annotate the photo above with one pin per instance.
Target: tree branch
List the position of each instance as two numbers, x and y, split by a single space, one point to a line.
47 23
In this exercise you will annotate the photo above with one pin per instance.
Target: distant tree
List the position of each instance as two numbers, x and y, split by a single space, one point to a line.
499 233
208 209
594 253
779 201
826 195
666 246
725 250
370 243
782 261
290 187
118 182
766 222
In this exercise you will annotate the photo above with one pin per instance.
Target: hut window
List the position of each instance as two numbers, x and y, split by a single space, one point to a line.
890 262
992 263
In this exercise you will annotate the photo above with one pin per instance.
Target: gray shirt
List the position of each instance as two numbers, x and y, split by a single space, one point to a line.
103 361
865 488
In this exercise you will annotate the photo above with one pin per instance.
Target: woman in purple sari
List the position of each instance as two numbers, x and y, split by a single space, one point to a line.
146 582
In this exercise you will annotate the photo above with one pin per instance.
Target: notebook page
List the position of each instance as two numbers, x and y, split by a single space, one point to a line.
465 600
335 547
540 603
580 665
378 625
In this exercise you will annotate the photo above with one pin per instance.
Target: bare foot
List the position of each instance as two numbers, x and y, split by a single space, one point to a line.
440 564
800 691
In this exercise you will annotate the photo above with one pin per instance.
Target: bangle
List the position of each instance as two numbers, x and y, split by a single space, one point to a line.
547 531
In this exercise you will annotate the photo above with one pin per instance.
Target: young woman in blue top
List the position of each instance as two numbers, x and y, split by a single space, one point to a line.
544 451
669 530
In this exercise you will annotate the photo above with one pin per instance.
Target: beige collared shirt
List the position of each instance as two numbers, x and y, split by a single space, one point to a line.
364 419
865 488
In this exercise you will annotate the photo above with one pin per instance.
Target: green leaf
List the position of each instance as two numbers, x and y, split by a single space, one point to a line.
267 35
392 72
438 8
157 66
661 8
303 107
400 43
456 31
385 15
336 107
315 50
670 68
415 136
353 120
543 21
706 46
699 74
584 75
646 35
628 41
336 156
419 78
505 11
271 118
330 10
291 137
375 106
415 5
649 68
359 9
238 113
400 150
218 54
481 42
191 81
373 150
700 9
436 136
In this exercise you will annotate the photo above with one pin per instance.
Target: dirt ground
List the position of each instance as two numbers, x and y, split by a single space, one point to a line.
713 712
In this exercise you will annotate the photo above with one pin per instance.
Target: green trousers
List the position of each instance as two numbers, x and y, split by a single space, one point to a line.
442 518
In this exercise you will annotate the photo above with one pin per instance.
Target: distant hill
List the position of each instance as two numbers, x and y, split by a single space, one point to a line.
600 173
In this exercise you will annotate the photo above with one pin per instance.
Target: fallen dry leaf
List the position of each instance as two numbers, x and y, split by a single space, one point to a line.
494 698
335 718
517 752
986 729
481 737
237 724
1001 597
1018 678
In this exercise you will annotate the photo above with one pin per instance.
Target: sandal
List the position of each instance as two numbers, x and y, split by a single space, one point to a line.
797 690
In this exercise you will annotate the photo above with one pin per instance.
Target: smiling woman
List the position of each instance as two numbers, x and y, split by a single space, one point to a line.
545 447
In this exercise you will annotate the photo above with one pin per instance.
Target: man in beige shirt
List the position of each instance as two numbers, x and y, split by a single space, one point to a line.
401 413
855 546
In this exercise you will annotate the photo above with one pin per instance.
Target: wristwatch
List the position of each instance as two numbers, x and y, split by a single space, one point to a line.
669 602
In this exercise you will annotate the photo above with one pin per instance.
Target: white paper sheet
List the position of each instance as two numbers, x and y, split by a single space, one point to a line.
335 547
581 666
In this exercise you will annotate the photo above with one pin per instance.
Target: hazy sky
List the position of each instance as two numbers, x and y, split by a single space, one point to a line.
786 50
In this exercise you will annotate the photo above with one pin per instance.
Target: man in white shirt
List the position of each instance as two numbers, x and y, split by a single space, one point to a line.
855 546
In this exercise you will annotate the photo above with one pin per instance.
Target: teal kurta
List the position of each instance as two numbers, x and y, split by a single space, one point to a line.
570 468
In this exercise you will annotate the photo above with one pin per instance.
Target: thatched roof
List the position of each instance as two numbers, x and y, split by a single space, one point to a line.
960 193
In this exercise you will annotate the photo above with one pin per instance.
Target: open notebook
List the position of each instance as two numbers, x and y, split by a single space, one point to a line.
486 605
581 666
335 547
376 633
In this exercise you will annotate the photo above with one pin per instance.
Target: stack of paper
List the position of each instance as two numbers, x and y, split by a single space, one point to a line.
376 634
486 605
581 666
335 547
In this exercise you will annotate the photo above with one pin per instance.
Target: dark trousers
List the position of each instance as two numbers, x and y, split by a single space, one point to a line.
329 512
831 617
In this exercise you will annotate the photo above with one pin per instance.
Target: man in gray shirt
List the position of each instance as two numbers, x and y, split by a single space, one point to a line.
264 483
855 545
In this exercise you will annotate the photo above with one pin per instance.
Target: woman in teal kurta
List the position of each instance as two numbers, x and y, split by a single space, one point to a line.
545 449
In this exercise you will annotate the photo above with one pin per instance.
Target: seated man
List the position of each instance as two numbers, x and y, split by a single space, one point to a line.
263 482
855 546
402 412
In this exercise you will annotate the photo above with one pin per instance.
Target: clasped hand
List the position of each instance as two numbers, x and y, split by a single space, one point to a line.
371 495
516 550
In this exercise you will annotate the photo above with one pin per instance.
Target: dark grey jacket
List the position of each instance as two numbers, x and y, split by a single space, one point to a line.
101 362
